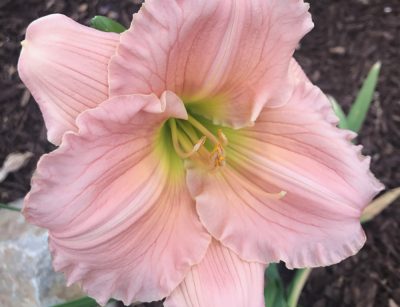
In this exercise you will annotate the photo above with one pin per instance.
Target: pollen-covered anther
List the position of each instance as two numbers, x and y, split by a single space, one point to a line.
217 156
200 143
176 141
195 149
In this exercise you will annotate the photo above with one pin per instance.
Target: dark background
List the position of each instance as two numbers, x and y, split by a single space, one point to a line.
348 38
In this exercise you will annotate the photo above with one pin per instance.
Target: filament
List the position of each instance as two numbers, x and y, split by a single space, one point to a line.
177 145
202 129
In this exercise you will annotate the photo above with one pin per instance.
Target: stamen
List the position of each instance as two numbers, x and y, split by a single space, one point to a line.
188 135
222 137
175 141
200 143
217 156
282 194
23 43
189 130
278 196
239 157
203 129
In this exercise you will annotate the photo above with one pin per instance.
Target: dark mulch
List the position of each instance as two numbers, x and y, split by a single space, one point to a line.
348 38
350 35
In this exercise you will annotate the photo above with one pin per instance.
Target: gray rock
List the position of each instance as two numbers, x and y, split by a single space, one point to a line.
27 278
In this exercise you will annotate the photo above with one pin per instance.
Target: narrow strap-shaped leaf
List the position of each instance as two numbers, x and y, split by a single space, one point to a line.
360 107
339 113
9 208
297 286
274 291
82 302
106 24
379 204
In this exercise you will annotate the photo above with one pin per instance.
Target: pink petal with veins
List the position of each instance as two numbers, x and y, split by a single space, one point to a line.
64 65
220 279
296 149
118 221
226 58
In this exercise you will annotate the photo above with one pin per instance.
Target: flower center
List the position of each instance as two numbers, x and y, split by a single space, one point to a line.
188 144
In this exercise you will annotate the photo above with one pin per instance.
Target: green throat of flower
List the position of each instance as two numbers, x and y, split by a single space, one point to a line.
191 139
203 144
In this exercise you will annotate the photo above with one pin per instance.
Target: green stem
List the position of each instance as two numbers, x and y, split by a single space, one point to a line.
81 302
297 286
9 208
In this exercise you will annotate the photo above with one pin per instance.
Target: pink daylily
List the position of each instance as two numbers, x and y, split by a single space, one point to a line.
193 151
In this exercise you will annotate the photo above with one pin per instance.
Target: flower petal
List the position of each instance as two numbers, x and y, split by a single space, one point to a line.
64 65
297 73
221 279
224 58
120 218
293 149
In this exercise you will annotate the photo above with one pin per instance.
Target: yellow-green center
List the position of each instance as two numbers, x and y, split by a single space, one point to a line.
197 140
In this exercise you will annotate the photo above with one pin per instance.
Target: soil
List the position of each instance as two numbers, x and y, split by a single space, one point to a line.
349 36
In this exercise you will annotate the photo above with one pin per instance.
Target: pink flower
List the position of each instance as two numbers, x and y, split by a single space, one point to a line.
193 151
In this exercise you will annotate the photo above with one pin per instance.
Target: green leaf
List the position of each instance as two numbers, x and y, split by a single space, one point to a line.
297 285
82 302
274 291
379 204
106 24
339 113
9 208
360 107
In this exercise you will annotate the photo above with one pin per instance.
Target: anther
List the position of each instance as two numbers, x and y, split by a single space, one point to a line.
278 195
217 156
222 137
175 141
179 139
200 143
195 149
282 194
